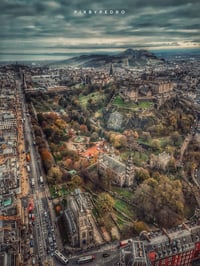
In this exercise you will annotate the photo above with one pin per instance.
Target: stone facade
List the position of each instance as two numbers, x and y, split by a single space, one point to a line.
146 90
78 220
123 173
160 161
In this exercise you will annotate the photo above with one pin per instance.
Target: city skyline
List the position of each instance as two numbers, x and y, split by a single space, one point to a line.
59 29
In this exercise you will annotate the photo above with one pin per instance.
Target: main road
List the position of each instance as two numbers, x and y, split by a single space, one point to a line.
38 192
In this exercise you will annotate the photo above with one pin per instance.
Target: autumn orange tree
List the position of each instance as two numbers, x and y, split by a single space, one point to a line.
83 128
47 159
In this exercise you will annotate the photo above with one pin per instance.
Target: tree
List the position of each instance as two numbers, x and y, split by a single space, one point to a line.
135 135
172 120
155 144
48 131
94 137
146 136
107 178
47 159
176 138
55 174
40 118
140 226
68 163
41 143
75 182
118 140
83 128
171 166
104 203
141 175
37 131
160 201
60 123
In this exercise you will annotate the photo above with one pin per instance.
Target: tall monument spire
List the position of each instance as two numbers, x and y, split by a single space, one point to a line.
130 170
111 70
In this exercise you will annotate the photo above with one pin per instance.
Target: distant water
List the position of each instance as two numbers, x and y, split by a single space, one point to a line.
63 56
24 58
176 53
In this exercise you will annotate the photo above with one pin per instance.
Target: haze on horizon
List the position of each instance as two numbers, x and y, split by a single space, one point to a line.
59 29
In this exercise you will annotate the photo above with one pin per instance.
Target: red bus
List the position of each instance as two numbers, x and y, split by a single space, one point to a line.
30 206
125 243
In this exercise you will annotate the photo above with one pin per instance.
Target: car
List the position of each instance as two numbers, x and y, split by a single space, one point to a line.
33 261
33 216
106 255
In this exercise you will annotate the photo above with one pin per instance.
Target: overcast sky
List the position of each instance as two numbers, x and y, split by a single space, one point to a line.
60 28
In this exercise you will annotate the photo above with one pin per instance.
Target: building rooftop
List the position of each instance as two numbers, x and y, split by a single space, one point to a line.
113 163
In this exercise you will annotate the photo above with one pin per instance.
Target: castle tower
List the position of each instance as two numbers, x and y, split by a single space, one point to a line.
126 62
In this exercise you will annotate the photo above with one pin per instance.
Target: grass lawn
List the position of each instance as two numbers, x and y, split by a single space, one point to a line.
139 158
125 208
63 192
163 141
53 192
120 221
118 101
145 104
123 192
95 96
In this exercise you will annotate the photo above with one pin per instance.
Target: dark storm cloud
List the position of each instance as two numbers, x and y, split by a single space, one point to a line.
33 25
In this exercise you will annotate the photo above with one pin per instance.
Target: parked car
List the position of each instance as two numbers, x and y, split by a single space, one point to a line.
106 255
33 260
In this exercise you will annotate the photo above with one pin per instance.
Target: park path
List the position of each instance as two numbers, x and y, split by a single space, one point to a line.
184 147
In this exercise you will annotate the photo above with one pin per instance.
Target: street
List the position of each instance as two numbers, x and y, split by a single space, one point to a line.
41 225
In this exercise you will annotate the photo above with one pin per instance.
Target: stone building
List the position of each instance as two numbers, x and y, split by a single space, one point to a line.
160 161
78 220
162 87
146 90
177 246
129 94
123 173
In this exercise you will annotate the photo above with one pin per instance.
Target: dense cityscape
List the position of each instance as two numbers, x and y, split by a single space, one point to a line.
100 164
99 133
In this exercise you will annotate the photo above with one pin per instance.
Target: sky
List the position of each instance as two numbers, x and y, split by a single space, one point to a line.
47 29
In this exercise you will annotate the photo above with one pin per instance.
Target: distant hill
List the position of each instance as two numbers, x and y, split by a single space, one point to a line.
127 58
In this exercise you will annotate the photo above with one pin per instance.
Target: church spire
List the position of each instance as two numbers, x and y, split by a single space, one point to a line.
130 170
111 70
